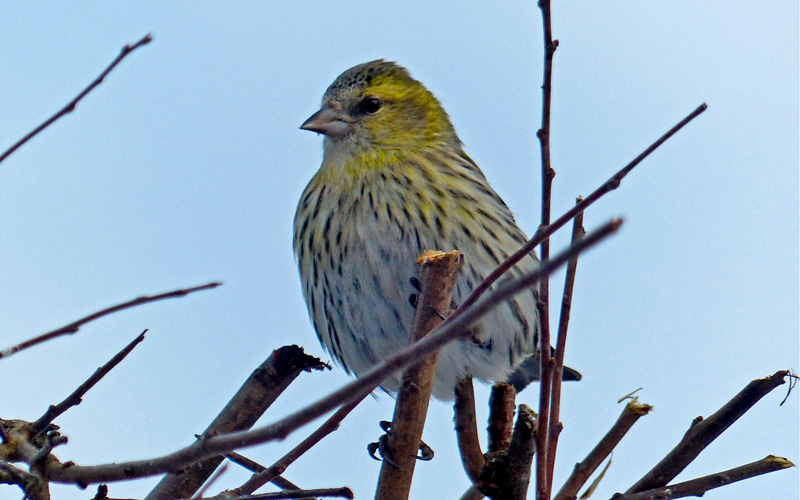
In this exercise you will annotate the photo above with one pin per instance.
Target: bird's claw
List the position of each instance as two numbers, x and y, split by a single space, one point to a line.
380 446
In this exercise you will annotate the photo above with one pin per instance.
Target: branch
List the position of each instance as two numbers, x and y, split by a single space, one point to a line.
698 487
520 453
256 395
75 398
75 325
437 279
469 445
273 472
33 487
703 432
321 492
554 427
127 49
583 470
501 416
452 329
544 232
543 304
253 466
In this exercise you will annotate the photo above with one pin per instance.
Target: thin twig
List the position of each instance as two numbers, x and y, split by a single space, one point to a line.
255 467
343 492
75 325
437 281
703 431
274 471
127 49
213 479
253 398
469 445
543 304
583 470
544 232
75 398
554 428
450 330
697 487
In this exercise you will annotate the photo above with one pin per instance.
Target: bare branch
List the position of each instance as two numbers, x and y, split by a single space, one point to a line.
583 470
437 281
544 232
253 466
32 485
321 492
520 453
697 487
501 416
452 329
554 427
543 304
75 398
127 49
256 395
469 445
703 431
75 325
274 471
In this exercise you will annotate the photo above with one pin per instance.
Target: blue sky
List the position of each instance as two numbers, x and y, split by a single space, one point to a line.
186 164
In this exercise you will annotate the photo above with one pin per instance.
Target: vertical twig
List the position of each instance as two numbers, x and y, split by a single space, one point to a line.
561 343
542 492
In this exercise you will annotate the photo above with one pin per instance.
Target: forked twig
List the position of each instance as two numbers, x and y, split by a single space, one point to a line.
75 325
127 49
74 399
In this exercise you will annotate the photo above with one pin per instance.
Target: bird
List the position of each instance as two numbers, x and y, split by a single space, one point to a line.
395 181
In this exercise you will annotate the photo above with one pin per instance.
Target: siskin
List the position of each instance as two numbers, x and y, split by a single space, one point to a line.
395 181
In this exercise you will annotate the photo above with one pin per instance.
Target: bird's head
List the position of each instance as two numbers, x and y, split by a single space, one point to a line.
377 106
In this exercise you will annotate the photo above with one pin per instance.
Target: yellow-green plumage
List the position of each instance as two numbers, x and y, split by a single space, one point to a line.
395 181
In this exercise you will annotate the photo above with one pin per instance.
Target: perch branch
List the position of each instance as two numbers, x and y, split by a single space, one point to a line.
703 431
451 330
75 398
321 492
437 279
75 325
501 417
127 49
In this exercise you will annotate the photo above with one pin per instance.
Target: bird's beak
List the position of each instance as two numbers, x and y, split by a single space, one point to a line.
329 121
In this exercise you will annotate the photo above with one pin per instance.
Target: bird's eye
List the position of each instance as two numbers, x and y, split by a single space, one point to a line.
371 105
